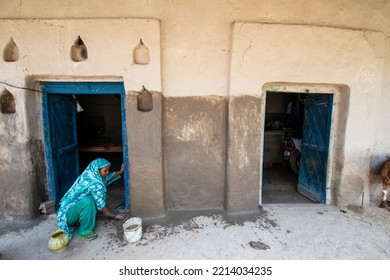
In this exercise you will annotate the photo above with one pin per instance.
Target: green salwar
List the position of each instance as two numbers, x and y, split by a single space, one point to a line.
83 214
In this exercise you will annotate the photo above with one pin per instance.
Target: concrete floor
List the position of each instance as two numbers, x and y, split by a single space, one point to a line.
280 186
282 231
286 227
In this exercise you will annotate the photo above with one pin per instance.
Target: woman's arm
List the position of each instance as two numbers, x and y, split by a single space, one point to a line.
119 172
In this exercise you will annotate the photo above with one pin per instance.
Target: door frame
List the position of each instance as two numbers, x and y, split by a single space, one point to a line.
83 87
307 89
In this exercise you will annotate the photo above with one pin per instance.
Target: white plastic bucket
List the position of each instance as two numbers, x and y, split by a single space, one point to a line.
132 229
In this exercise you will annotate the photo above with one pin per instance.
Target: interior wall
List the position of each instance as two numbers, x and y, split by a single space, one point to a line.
100 120
276 108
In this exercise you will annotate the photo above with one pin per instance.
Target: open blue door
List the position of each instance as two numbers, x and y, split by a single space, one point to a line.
60 132
315 144
59 113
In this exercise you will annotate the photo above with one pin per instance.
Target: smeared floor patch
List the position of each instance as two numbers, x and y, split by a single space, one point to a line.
258 245
179 222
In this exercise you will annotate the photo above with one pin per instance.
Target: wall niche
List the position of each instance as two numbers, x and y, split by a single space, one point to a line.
79 51
141 54
11 51
7 102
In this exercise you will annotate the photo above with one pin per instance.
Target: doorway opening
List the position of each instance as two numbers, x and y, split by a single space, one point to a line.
297 129
99 131
83 121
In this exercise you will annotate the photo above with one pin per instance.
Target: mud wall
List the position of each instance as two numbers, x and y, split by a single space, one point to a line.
208 48
243 149
44 54
145 140
320 56
195 152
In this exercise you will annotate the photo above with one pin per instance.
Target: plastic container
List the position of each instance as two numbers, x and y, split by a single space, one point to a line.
132 230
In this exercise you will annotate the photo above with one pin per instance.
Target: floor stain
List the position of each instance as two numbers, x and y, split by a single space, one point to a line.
258 245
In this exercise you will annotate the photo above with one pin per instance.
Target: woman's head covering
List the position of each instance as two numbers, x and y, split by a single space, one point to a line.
92 172
99 163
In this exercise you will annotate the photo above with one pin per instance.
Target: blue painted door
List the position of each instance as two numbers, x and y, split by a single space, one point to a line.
61 134
315 144
59 110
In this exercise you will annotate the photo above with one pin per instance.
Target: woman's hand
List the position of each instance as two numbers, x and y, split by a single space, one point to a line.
119 217
112 214
120 171
122 168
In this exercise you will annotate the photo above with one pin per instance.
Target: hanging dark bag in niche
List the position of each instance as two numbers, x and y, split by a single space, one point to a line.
145 100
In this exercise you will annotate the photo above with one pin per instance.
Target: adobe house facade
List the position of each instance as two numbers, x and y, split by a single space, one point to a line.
209 67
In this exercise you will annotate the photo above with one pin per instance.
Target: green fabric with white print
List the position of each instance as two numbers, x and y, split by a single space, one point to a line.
89 183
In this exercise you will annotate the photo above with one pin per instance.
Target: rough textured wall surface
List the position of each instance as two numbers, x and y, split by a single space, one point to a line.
144 134
38 182
17 192
21 181
12 205
340 123
194 138
196 34
243 154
